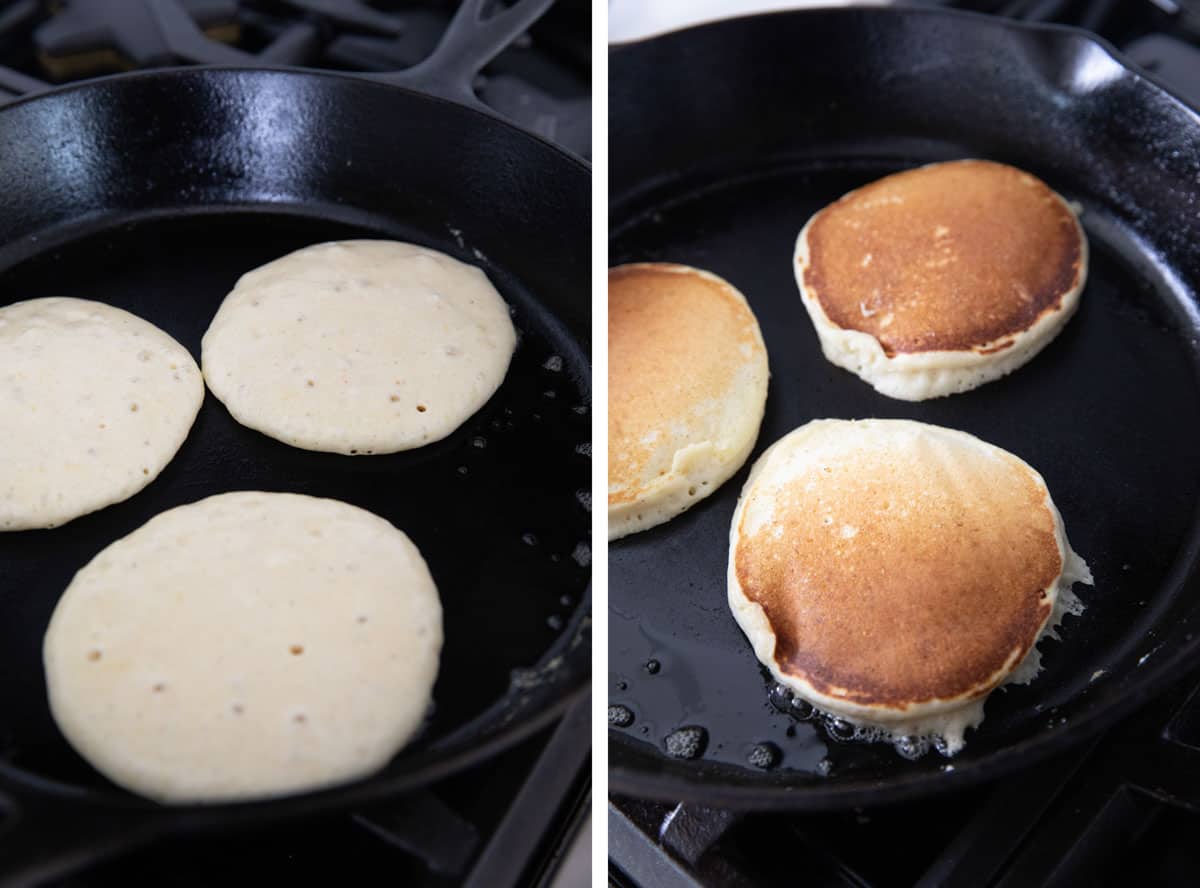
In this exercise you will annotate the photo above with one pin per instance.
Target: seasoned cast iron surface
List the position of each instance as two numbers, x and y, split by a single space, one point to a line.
472 503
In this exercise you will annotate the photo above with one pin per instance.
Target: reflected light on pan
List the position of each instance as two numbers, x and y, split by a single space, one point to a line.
1094 70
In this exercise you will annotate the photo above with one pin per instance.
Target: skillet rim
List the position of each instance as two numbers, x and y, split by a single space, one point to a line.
368 78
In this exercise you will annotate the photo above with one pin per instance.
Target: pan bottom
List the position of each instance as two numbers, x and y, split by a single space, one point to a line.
497 508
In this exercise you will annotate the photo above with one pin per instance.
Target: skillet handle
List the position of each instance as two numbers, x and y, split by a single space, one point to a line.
470 42
44 840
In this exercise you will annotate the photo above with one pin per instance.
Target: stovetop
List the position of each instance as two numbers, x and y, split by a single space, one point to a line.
1124 810
542 82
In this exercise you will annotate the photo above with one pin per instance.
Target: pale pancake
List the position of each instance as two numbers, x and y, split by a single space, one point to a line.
936 280
94 402
359 347
894 573
247 645
687 386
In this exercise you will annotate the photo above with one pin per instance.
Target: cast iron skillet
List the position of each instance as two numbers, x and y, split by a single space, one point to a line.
724 140
154 192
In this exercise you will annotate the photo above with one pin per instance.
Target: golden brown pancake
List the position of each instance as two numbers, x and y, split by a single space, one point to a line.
968 266
687 386
891 572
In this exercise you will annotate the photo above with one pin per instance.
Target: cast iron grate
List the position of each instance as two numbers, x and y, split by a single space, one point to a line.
541 82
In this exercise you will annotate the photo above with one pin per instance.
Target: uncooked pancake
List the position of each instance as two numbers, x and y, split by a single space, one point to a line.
359 347
936 280
893 573
687 386
94 402
247 645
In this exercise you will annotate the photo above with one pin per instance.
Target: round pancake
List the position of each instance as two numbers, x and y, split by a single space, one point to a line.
687 386
94 402
936 280
246 645
359 347
894 573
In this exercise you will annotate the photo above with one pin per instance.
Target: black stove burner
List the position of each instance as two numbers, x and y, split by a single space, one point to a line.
541 82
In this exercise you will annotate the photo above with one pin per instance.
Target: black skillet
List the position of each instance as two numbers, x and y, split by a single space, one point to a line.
154 192
724 139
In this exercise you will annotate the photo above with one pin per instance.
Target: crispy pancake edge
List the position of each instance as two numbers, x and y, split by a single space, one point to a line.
1066 266
919 375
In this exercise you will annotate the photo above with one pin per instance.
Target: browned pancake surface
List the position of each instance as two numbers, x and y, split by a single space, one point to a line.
940 580
946 257
676 340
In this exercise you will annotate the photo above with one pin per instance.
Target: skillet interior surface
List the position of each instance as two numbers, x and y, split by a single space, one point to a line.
164 230
1109 413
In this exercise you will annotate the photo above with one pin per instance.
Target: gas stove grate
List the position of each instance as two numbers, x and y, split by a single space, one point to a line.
541 82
